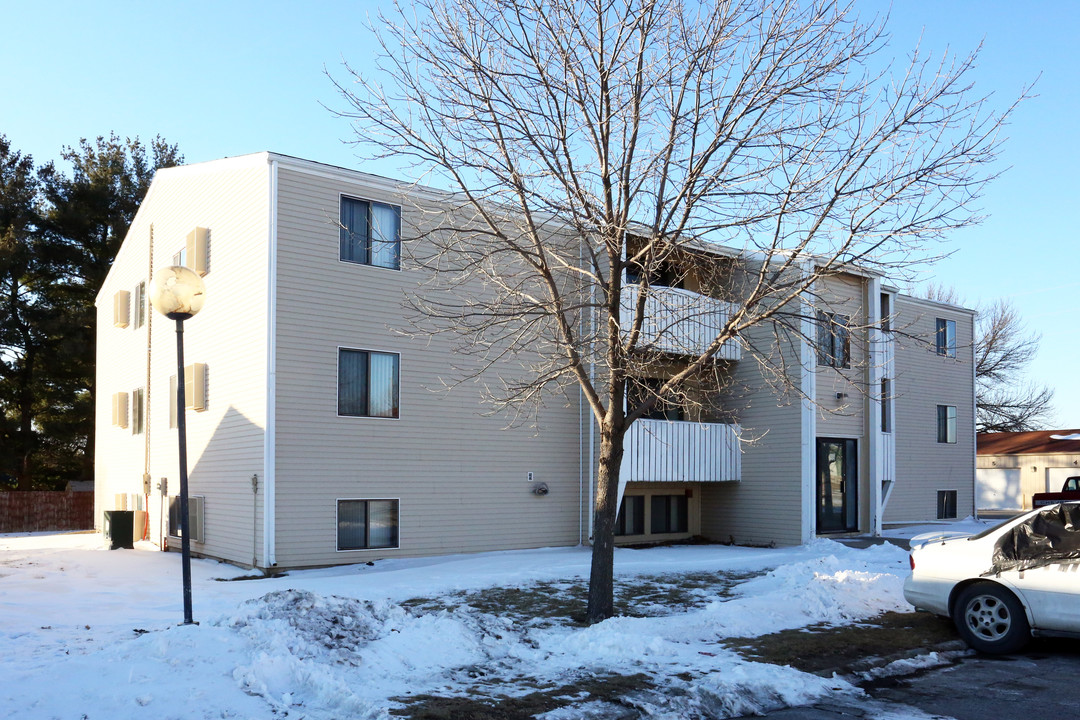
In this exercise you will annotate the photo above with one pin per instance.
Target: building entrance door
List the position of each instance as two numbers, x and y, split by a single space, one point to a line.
837 485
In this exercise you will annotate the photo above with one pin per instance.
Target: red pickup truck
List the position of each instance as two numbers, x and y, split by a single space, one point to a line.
1069 491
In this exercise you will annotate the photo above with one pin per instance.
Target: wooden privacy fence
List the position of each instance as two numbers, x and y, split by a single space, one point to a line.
41 510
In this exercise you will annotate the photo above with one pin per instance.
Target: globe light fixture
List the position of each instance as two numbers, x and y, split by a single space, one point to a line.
178 294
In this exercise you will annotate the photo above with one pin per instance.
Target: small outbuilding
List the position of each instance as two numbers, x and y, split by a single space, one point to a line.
1012 466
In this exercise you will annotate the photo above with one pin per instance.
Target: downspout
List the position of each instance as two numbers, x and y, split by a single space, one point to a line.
808 424
269 438
592 420
581 438
974 421
146 392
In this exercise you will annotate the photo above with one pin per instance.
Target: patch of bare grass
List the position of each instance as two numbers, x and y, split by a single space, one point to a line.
822 648
552 603
609 689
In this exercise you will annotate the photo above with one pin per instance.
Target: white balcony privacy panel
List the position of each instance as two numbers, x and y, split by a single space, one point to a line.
679 321
666 451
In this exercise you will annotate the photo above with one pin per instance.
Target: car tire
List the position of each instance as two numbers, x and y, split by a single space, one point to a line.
991 619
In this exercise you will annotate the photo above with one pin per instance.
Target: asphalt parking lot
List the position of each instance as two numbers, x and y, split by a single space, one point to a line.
1038 683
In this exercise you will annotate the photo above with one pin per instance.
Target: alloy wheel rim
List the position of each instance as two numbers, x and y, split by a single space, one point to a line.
988 618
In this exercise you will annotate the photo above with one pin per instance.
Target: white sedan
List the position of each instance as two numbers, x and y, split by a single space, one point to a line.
1005 584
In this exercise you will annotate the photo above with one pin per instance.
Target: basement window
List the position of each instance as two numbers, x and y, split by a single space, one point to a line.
367 524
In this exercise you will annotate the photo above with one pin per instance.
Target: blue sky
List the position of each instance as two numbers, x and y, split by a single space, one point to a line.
228 78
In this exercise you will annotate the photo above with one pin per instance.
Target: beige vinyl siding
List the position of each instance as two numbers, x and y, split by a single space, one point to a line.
765 506
844 417
460 477
925 380
225 441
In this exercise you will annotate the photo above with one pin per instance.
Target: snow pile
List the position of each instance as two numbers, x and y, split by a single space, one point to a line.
342 642
344 656
832 589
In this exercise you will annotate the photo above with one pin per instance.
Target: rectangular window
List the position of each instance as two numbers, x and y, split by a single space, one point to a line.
370 233
138 410
946 337
669 514
886 312
833 340
946 504
640 390
631 516
366 524
139 306
180 258
886 405
367 383
946 424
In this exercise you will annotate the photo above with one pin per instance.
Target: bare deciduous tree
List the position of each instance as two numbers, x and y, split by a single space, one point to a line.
588 146
1004 348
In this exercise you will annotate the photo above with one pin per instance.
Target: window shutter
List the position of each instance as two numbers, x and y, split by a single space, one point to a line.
120 409
195 387
198 250
120 308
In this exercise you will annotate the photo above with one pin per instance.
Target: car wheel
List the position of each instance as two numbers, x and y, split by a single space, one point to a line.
991 619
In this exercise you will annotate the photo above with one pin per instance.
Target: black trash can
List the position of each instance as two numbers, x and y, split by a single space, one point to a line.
119 528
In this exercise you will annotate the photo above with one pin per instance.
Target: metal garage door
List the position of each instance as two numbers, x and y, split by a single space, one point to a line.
998 489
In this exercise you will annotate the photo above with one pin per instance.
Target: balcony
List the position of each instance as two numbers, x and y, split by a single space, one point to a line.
679 321
668 451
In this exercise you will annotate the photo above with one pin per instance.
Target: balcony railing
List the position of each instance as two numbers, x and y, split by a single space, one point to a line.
668 451
679 321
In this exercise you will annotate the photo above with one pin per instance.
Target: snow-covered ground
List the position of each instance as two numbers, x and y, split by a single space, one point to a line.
90 633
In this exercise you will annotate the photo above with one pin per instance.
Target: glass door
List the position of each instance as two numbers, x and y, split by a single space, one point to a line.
837 485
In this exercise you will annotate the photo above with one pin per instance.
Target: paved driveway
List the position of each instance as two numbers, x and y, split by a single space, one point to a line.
1043 682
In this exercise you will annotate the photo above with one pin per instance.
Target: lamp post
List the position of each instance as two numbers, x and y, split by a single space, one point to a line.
178 294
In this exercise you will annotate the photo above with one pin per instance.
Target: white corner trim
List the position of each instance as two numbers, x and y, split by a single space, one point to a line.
875 369
270 437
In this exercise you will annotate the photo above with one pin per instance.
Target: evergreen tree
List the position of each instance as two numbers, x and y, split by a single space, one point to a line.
60 235
23 341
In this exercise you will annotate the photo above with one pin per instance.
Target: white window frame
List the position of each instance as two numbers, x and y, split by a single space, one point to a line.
954 428
337 522
138 306
829 325
337 383
369 201
945 346
956 503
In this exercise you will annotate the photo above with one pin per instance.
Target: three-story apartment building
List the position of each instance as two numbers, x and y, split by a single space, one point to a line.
318 435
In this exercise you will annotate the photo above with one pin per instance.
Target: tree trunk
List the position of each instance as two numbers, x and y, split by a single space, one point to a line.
24 474
605 513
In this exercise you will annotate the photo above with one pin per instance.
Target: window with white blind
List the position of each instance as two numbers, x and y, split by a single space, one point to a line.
367 383
370 233
367 524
